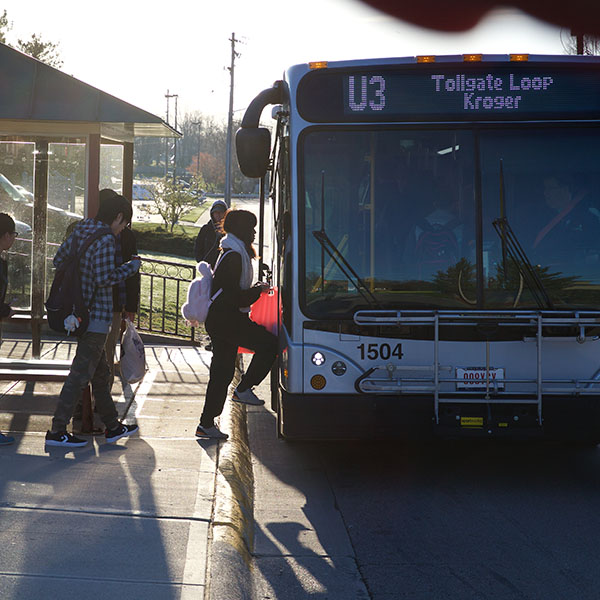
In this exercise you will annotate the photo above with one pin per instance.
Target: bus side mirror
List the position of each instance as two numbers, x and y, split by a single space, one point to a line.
253 147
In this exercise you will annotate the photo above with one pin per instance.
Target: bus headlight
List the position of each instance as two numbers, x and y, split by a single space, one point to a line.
338 368
318 358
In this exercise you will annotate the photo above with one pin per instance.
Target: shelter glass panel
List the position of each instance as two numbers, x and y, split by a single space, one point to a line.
66 195
16 199
111 167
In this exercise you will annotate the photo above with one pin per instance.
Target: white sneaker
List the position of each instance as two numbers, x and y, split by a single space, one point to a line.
247 397
210 432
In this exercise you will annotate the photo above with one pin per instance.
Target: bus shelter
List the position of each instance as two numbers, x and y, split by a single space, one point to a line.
61 141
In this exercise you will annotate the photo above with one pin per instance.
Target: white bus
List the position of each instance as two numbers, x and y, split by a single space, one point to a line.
437 251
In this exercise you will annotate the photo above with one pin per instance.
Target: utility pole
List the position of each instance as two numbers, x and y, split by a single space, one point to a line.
168 97
198 124
579 41
234 55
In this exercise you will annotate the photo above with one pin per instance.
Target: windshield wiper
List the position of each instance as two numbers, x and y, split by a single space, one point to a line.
511 243
512 246
345 267
337 257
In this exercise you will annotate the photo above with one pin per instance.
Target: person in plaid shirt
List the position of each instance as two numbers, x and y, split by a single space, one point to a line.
98 275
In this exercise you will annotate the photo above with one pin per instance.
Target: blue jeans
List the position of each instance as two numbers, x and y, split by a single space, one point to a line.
89 365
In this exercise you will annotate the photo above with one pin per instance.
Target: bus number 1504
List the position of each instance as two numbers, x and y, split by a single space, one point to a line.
376 351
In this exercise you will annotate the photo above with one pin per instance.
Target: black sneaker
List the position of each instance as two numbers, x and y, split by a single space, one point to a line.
62 438
210 432
112 435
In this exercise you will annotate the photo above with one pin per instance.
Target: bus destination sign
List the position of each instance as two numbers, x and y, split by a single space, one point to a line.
482 93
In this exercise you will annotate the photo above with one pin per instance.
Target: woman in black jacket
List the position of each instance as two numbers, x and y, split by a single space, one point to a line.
229 325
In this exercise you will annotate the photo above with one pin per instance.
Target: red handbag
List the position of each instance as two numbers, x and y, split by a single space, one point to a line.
265 312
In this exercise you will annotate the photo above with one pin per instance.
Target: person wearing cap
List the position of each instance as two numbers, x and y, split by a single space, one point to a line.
206 247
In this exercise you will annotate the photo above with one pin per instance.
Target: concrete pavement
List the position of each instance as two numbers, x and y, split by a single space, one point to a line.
160 515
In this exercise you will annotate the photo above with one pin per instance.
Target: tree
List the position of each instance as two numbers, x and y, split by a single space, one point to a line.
171 200
209 141
5 26
211 170
47 52
591 43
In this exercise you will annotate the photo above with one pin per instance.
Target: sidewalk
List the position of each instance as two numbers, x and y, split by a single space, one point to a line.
127 520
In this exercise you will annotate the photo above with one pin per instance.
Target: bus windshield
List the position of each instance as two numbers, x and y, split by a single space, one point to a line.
410 214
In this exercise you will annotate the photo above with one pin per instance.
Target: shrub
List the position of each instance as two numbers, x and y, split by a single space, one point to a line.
152 238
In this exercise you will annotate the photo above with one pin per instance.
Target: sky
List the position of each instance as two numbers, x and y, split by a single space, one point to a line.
139 50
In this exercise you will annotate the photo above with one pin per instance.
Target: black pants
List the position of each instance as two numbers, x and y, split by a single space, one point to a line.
227 332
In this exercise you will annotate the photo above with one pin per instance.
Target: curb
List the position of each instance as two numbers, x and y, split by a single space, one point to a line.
232 530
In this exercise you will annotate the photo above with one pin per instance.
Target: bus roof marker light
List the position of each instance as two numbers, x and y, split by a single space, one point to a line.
472 57
318 64
426 59
519 57
317 359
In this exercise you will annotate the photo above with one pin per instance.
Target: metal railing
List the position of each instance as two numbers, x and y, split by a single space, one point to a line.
163 289
386 379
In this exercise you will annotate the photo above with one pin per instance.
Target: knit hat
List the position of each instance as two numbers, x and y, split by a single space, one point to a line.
218 205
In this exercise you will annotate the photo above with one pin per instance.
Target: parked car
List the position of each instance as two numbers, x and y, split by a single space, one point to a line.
141 192
23 230
20 206
24 192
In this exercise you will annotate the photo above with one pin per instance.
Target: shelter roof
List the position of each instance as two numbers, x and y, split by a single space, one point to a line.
36 92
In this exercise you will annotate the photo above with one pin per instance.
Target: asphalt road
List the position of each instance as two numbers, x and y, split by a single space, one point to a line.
450 520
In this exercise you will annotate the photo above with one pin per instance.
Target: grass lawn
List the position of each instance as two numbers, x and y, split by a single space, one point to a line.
195 213
163 288
187 230
168 257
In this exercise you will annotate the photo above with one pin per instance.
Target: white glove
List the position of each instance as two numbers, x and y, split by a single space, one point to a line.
71 323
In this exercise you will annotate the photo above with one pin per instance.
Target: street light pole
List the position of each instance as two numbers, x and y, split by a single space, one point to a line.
168 97
199 125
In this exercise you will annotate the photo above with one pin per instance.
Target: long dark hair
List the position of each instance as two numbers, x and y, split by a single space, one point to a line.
241 223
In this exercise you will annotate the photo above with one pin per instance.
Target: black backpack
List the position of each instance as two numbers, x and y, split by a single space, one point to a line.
66 295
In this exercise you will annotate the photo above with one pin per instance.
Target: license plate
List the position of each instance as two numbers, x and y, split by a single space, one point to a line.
471 422
474 378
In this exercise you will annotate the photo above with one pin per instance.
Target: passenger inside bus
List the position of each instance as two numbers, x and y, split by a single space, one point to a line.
570 226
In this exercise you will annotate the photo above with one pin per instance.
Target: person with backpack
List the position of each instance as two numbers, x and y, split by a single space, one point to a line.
206 246
229 325
126 294
98 274
7 239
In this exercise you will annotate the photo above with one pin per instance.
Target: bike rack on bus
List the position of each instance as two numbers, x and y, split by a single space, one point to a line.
393 381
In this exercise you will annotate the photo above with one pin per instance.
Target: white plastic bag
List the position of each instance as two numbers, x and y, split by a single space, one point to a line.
133 357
